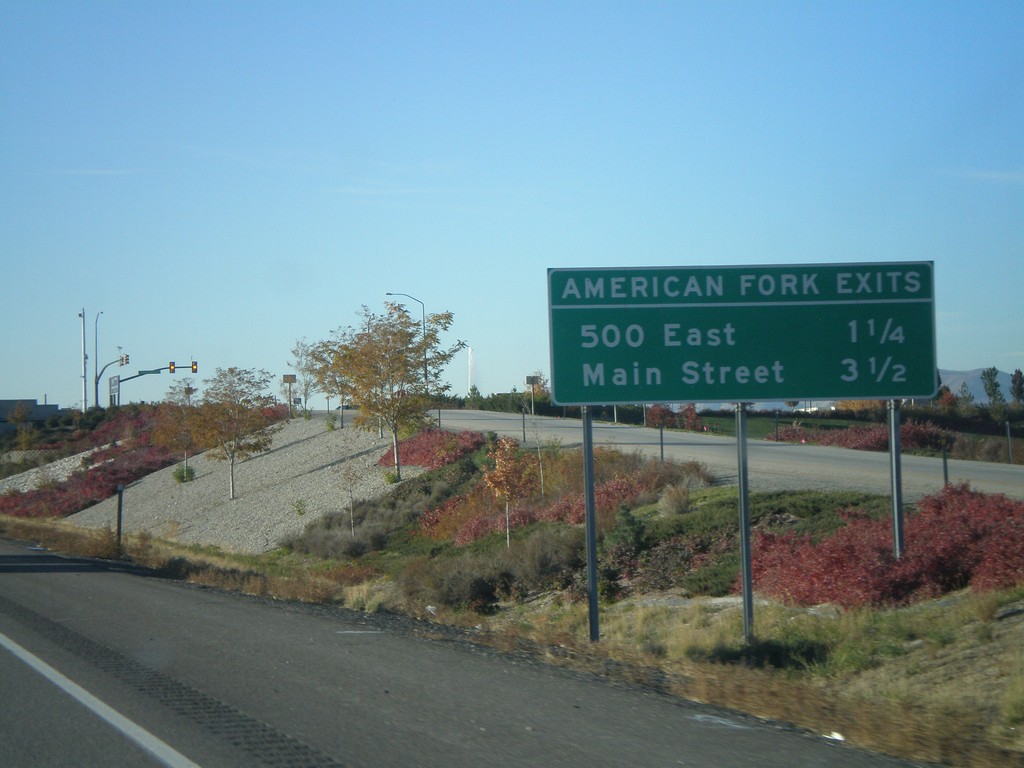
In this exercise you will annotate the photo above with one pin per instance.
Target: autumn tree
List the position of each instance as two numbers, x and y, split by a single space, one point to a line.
661 416
236 416
329 376
945 398
690 418
514 477
539 386
304 364
175 427
20 416
392 367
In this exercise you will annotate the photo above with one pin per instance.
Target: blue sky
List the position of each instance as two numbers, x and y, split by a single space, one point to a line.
221 179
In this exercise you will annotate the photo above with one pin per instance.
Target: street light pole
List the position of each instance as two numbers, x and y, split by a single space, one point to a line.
423 315
96 358
85 371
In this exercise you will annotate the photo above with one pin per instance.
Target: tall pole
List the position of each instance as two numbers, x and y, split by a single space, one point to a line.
423 316
896 478
746 573
85 372
590 521
96 358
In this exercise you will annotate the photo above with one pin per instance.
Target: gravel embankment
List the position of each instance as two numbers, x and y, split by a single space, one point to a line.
54 472
308 473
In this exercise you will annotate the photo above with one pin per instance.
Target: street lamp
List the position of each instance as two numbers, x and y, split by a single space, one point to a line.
85 370
423 314
96 358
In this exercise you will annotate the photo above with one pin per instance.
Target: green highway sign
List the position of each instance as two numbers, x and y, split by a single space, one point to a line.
742 334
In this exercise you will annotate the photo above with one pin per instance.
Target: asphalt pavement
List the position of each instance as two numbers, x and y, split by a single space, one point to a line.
152 672
771 466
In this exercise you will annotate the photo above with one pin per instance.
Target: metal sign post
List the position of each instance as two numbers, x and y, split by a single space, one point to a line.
591 521
120 504
746 574
896 478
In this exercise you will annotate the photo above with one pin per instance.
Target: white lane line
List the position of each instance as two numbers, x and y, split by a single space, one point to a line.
359 632
146 740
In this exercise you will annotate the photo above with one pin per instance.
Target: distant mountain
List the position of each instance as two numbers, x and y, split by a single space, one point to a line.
955 379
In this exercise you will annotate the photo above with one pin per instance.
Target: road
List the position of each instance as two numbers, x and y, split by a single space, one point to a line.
771 466
105 665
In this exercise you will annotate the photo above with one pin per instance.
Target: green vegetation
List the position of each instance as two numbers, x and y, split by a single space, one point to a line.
184 473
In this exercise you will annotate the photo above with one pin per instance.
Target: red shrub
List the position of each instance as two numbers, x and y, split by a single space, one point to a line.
126 456
433 448
660 416
921 435
957 538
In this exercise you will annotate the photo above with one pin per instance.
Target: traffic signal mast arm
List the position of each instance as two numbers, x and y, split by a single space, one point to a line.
171 367
146 373
122 360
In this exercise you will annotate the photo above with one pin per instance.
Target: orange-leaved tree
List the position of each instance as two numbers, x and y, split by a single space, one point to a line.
391 365
514 477
175 426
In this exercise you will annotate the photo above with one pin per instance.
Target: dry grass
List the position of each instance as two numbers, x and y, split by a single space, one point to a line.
910 682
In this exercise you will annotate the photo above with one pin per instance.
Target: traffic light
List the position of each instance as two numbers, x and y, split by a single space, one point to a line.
170 366
122 360
195 367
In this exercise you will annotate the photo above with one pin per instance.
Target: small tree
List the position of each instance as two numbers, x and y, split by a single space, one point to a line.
690 418
540 389
392 367
236 416
175 427
304 364
661 416
20 416
965 400
514 476
946 400
329 376
994 392
1017 387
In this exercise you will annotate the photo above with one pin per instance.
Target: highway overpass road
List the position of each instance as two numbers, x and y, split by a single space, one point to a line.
105 665
771 466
